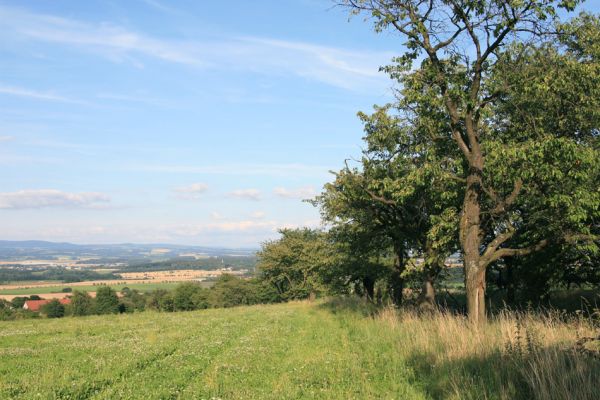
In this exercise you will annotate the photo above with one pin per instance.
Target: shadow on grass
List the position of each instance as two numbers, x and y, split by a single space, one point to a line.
350 304
545 373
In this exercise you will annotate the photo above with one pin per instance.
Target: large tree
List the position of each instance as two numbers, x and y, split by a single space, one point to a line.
399 197
458 44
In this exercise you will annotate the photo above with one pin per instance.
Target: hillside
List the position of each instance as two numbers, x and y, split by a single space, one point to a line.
288 351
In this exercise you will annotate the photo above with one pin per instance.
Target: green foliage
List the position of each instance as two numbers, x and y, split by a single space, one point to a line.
53 309
52 274
107 301
293 264
81 304
185 297
19 302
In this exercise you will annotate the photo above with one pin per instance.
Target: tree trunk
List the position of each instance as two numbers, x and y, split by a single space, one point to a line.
396 286
471 242
510 282
427 296
369 286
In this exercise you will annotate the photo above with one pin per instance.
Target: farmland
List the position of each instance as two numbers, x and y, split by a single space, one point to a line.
295 350
57 291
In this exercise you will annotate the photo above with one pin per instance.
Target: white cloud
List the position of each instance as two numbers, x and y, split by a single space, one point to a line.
347 69
191 192
249 194
305 192
43 198
6 138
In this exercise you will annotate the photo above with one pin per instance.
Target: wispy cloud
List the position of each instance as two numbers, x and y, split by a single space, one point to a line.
344 68
44 198
191 192
134 99
160 6
248 194
304 192
33 94
6 138
237 169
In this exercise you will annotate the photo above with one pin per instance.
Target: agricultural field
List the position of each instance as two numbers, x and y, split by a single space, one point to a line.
290 351
8 294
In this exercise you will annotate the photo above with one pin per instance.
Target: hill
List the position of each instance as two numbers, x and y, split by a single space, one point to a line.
286 351
17 250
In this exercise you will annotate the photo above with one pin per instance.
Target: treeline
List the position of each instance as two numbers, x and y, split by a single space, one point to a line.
490 151
228 291
16 273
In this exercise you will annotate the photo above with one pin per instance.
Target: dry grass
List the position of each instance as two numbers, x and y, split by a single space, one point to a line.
514 355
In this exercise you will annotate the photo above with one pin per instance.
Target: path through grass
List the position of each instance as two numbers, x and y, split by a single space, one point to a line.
271 352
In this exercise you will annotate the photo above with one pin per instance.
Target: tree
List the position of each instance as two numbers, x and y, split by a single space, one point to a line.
400 198
132 300
107 301
231 291
185 296
462 43
19 302
53 309
161 300
293 263
81 304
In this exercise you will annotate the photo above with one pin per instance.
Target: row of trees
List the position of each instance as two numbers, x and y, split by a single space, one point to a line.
491 151
228 291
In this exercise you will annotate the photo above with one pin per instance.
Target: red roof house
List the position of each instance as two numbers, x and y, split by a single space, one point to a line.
35 305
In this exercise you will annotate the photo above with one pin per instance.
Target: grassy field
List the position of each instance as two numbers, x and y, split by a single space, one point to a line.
291 351
142 287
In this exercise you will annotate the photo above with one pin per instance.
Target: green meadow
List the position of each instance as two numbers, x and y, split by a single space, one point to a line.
300 350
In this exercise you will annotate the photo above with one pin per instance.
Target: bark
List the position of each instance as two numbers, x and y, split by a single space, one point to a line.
396 285
471 242
510 282
426 299
369 286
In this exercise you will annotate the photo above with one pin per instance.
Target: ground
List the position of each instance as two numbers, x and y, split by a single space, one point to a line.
274 352
336 349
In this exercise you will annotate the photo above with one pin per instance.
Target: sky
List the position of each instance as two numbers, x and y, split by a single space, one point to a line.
185 122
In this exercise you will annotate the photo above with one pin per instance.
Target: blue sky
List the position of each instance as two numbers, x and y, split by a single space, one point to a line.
178 121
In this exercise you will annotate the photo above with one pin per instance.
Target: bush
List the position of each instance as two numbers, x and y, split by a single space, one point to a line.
107 301
81 304
19 302
185 296
53 309
230 291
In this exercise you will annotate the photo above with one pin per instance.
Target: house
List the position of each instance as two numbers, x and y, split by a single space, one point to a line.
36 305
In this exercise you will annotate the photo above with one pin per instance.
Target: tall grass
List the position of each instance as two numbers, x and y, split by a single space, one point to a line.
528 355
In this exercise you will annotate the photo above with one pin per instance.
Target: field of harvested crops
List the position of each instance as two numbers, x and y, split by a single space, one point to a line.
289 351
57 291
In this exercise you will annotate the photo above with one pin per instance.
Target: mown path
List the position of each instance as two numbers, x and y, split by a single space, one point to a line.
289 351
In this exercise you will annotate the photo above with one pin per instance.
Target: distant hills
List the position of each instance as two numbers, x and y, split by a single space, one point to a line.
34 249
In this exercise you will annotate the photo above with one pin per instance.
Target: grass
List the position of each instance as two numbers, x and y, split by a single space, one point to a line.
142 287
334 350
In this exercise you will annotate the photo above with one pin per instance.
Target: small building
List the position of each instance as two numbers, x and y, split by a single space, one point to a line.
36 305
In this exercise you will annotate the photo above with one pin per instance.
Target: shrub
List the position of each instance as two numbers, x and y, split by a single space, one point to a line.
107 301
53 309
81 304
